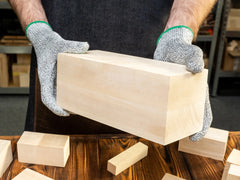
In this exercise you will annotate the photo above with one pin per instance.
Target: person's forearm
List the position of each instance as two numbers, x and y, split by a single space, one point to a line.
28 11
190 13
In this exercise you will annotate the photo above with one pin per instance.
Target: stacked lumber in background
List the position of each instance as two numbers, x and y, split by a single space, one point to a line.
4 74
15 41
21 70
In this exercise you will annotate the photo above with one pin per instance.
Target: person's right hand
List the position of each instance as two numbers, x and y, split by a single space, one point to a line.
47 45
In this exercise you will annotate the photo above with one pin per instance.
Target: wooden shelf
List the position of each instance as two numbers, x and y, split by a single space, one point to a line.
202 38
233 34
5 5
14 90
229 74
15 49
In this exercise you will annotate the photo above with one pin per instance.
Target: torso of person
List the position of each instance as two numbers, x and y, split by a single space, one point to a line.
124 26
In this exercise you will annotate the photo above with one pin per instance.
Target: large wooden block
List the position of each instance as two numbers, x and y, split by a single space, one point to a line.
233 172
28 174
5 155
171 177
45 149
127 158
4 76
233 158
213 145
159 101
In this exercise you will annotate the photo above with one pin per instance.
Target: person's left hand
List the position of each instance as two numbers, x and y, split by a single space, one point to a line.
175 45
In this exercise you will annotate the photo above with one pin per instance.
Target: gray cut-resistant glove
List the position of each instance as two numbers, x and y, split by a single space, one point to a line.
47 45
175 45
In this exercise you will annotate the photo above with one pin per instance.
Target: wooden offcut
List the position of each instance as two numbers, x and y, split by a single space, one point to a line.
42 148
28 174
6 156
23 58
233 158
24 79
127 158
212 145
159 101
17 69
4 75
171 177
233 172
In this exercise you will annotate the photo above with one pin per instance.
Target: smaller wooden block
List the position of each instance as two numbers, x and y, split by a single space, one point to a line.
4 76
5 155
17 69
234 172
29 174
45 149
127 158
213 145
23 58
171 177
233 158
24 79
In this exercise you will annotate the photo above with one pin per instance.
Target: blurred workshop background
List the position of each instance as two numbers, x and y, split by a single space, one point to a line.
219 38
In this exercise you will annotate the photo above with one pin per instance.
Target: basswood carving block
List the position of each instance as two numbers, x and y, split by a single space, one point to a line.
213 145
171 177
28 174
233 158
158 101
5 155
233 172
127 158
45 149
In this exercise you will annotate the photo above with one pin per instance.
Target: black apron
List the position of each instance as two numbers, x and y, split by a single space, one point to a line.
124 26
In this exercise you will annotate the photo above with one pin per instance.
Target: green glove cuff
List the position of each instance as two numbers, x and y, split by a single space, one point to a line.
34 23
174 27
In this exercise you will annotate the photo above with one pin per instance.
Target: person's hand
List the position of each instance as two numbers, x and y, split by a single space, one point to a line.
175 45
47 45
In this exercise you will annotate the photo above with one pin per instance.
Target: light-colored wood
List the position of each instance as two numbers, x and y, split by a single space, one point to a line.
4 76
159 101
233 172
45 149
24 79
171 177
127 158
17 69
23 58
5 155
213 145
233 158
28 174
233 23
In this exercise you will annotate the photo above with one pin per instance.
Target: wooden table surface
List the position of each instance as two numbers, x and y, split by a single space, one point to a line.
90 153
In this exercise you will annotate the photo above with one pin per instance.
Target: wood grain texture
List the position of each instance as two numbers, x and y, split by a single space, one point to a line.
127 158
90 153
213 145
43 148
4 74
6 156
28 174
233 172
123 91
168 176
233 158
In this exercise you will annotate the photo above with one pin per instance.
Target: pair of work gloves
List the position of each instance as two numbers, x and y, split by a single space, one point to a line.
174 45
